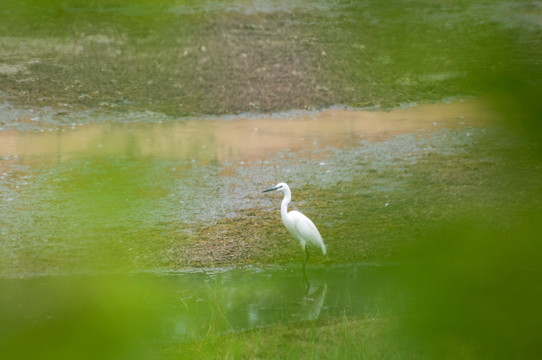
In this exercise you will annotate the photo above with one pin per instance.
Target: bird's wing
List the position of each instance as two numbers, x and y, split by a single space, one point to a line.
307 230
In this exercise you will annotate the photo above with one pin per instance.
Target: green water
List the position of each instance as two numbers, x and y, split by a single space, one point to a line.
142 314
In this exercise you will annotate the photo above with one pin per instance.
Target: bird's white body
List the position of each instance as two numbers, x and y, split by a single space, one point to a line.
297 224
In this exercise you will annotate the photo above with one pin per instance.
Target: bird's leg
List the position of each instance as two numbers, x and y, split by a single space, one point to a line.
306 283
305 260
304 268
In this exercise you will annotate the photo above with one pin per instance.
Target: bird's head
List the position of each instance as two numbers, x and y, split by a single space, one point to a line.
281 187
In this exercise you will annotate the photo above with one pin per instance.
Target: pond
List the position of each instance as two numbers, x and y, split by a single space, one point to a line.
173 307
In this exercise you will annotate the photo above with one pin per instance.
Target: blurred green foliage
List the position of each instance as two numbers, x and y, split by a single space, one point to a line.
475 290
79 318
474 280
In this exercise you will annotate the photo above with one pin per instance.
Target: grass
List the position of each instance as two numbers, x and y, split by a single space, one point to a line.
331 338
359 53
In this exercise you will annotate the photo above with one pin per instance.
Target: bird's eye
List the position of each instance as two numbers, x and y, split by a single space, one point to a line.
279 187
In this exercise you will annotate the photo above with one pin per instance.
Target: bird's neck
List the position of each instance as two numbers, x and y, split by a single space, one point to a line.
284 204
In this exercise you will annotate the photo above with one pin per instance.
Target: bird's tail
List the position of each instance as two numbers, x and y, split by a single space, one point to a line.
324 250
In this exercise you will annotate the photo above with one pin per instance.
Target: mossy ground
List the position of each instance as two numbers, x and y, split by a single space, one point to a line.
114 56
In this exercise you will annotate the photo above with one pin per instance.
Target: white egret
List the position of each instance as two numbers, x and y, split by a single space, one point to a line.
297 224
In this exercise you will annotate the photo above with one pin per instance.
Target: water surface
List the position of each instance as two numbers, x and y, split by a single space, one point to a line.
153 311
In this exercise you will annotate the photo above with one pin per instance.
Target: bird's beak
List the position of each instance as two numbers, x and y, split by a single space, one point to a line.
272 189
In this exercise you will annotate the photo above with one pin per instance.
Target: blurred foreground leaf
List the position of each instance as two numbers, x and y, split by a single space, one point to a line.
77 318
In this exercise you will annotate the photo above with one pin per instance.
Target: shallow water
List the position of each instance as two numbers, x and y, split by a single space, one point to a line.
183 306
230 139
245 298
